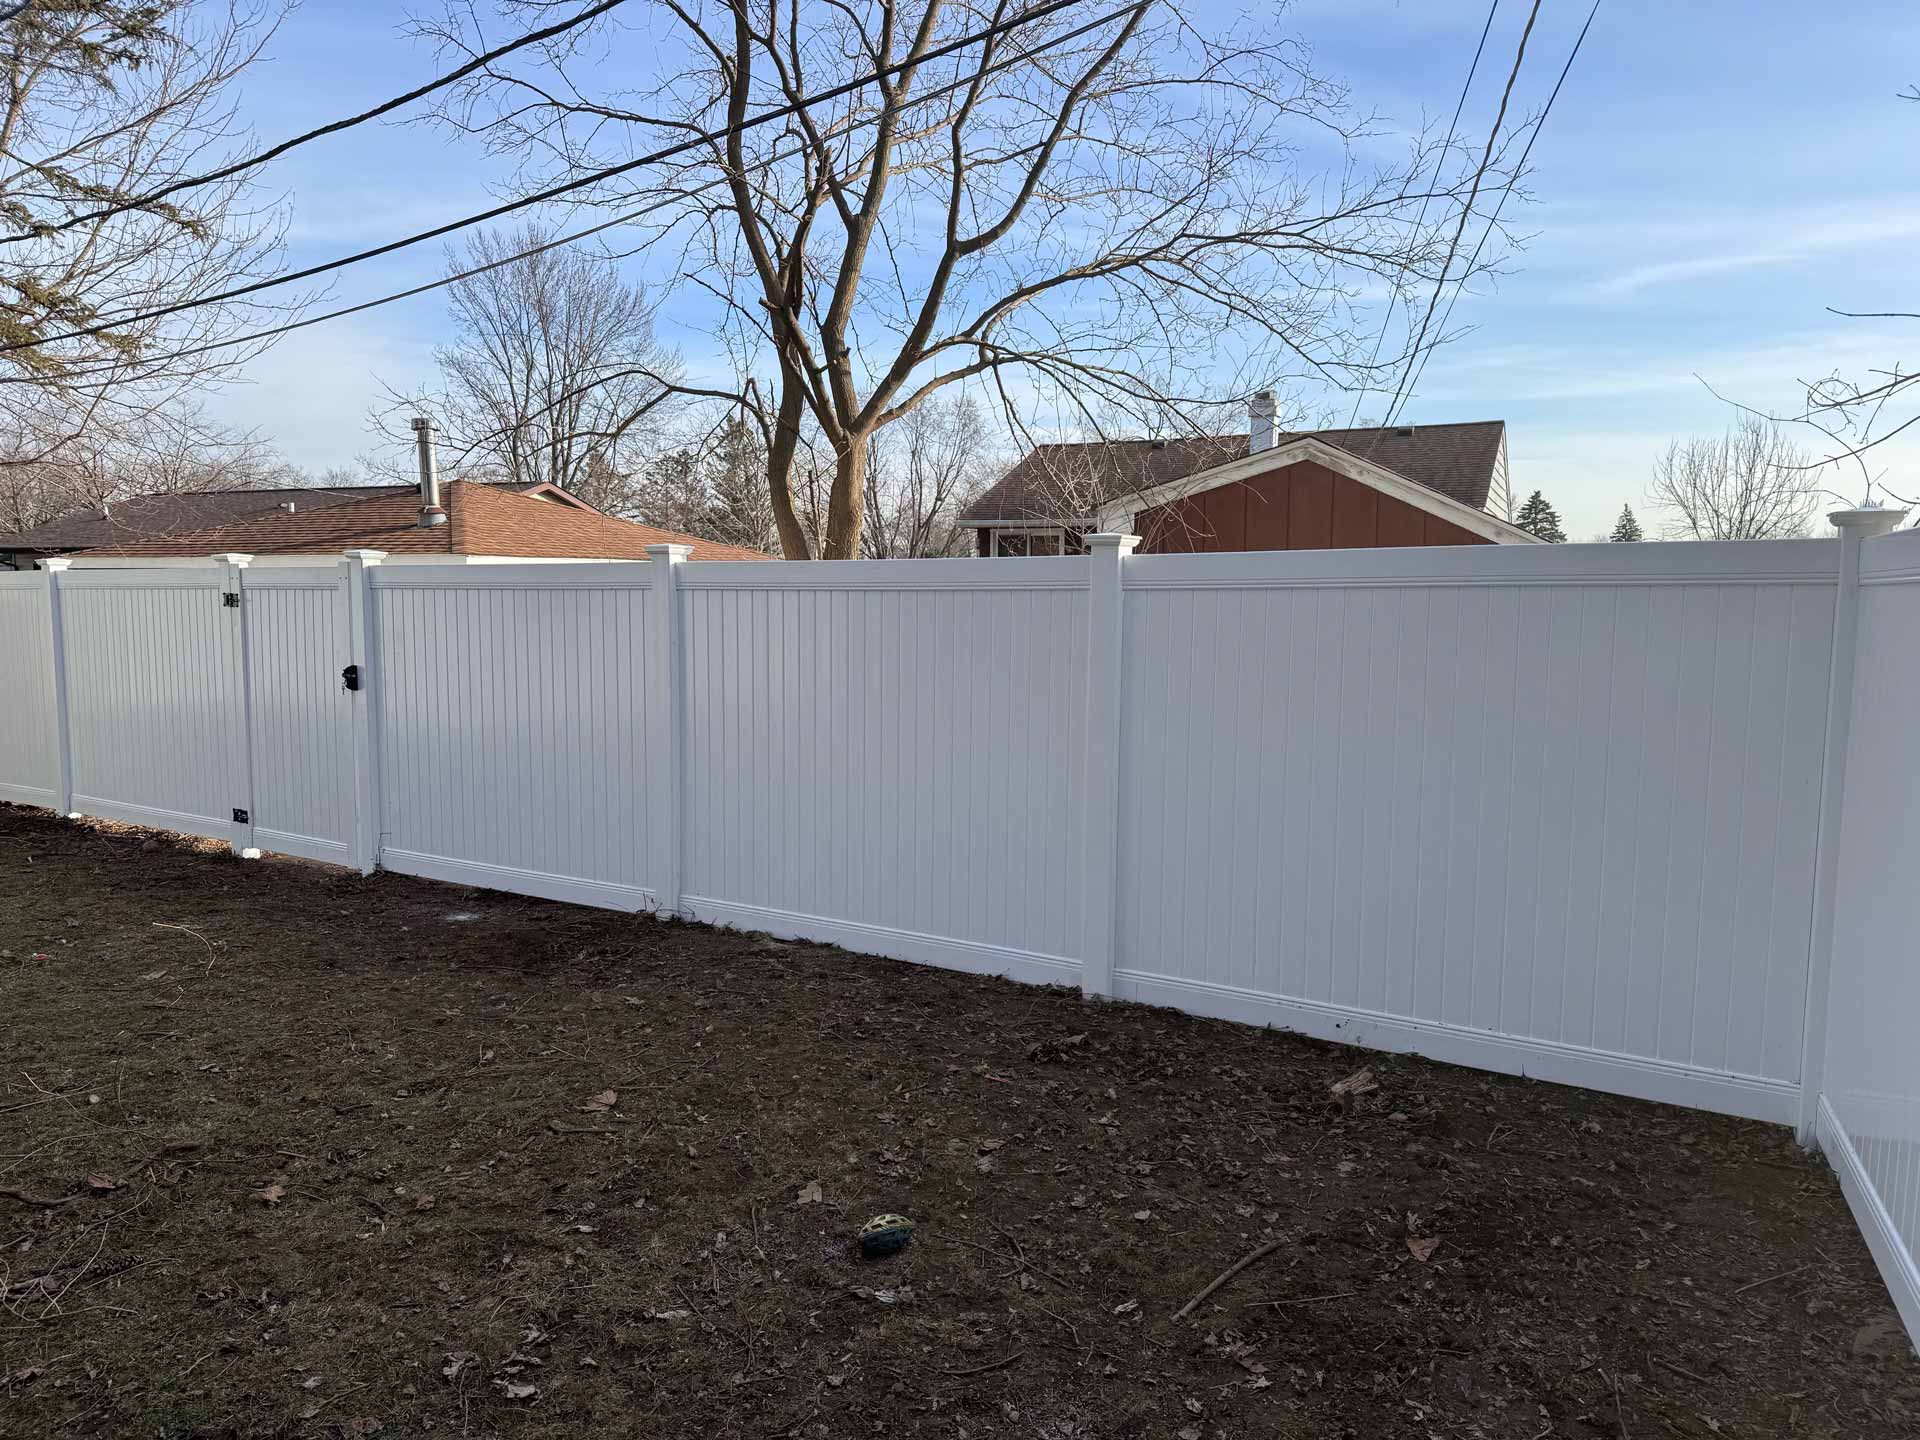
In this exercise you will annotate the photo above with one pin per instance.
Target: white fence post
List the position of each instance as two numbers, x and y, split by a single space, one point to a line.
667 719
362 678
232 598
57 639
1854 526
1100 824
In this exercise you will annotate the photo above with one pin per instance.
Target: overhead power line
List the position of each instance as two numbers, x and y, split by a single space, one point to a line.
573 237
227 172
1446 149
553 192
1466 213
1494 219
590 231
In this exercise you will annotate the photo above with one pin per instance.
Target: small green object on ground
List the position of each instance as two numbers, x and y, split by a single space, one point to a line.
885 1235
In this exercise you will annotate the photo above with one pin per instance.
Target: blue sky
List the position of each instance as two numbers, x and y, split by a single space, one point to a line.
1714 174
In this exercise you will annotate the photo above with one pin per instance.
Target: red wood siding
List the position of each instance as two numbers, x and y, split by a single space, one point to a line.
1303 506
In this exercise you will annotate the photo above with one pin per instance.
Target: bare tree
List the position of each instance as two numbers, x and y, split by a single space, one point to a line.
921 473
553 375
171 451
101 103
1751 483
1082 213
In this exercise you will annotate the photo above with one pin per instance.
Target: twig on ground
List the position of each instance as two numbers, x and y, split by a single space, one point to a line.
313 1410
1225 1275
9 1192
163 925
1000 1364
1306 1299
1679 1370
1784 1274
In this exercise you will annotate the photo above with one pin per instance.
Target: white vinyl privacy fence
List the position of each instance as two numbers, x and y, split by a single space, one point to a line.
1568 811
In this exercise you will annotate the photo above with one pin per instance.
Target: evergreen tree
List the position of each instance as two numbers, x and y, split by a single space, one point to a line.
1537 517
737 481
1626 527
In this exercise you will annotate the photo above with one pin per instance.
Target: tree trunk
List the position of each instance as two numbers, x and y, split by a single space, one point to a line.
786 440
846 506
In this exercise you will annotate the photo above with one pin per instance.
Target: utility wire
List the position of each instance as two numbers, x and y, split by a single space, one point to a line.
555 191
141 202
1572 55
575 236
1446 149
1466 212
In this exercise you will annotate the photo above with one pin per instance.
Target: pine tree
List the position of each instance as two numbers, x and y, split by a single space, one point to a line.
1538 518
1626 527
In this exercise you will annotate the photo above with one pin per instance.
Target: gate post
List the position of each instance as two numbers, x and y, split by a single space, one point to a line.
239 666
1854 527
361 678
57 639
666 718
1100 821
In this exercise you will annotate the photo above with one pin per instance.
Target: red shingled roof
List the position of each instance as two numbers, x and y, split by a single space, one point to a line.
482 520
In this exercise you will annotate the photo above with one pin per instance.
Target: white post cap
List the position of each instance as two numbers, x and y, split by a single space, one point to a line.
1867 521
365 557
1104 541
670 553
232 557
57 563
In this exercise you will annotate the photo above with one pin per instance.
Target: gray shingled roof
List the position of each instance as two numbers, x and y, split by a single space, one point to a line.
1457 460
143 518
147 517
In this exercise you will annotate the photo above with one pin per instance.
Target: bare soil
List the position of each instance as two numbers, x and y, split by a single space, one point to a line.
330 1162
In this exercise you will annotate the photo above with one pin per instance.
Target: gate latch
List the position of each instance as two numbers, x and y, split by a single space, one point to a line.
350 677
230 599
240 818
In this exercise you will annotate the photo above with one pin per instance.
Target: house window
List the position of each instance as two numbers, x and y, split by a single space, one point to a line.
1048 540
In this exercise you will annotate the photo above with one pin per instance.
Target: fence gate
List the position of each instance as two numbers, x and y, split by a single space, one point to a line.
209 701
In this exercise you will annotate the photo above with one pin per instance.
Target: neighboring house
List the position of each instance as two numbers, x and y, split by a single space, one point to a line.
159 517
1312 490
484 524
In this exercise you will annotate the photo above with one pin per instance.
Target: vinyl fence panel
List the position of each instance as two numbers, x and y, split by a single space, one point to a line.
1547 817
155 699
1870 1111
28 754
299 712
888 755
513 728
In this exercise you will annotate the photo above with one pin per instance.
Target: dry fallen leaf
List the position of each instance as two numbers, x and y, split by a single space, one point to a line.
423 1202
601 1103
102 1181
1358 1083
1422 1250
273 1194
364 1425
516 1389
456 1362
810 1193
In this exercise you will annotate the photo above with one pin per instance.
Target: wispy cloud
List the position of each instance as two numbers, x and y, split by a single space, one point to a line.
1723 244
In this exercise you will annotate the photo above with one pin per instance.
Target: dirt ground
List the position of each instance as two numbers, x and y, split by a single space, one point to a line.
336 1156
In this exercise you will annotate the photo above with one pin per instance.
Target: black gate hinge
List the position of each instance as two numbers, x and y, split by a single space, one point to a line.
240 818
350 677
230 599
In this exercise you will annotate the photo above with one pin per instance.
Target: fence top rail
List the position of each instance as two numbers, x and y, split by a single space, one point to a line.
1749 562
294 577
22 579
965 573
1890 559
581 575
158 578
